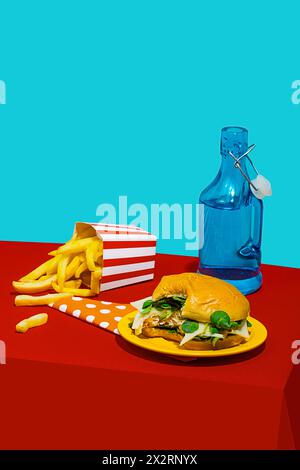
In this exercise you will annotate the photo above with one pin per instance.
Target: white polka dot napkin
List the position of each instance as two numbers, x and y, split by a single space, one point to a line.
96 312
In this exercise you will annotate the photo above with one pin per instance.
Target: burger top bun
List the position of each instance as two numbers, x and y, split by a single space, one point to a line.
204 295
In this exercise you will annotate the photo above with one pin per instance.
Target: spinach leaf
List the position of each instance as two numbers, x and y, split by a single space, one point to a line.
147 303
146 310
170 303
213 330
189 326
221 320
164 305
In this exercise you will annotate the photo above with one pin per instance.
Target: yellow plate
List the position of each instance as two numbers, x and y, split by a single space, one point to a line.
171 348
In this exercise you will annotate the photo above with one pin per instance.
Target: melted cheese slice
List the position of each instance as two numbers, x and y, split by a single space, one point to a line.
138 322
189 336
242 331
204 332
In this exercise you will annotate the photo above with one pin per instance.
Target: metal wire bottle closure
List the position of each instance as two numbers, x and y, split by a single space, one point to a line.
238 165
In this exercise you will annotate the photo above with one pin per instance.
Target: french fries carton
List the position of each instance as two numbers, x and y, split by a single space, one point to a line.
128 253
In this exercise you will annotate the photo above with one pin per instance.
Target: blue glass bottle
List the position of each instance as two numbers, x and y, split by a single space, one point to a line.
231 220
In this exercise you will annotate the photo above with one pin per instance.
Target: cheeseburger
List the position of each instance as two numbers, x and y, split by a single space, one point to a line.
198 311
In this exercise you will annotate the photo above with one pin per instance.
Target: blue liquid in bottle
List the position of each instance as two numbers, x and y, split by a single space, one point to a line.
231 220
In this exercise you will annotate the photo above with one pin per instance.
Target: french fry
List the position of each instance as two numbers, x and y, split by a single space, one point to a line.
82 267
95 280
76 246
73 291
53 253
33 287
90 253
31 322
73 266
39 271
42 278
61 271
78 261
29 300
53 267
74 284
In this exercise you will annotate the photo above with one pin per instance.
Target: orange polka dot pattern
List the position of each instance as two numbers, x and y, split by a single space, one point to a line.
99 313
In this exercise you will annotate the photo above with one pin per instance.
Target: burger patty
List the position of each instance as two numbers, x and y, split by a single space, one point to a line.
174 321
204 344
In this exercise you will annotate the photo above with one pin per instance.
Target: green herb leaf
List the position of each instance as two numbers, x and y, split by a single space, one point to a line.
221 320
165 305
146 310
189 326
170 303
213 330
249 324
147 303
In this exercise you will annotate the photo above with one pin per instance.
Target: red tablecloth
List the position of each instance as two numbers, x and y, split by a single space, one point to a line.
71 385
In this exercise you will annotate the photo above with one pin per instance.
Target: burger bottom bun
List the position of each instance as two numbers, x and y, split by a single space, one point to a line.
228 342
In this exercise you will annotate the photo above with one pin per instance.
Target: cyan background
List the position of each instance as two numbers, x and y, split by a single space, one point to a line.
128 97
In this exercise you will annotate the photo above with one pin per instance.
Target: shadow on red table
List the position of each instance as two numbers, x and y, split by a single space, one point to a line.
194 362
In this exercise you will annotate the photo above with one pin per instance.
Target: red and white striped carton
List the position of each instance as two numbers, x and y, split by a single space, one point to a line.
128 253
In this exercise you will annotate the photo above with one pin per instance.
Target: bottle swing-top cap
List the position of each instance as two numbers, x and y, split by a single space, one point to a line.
234 143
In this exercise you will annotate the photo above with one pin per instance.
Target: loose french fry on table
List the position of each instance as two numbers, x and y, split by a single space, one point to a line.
32 322
28 300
